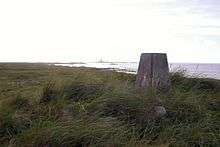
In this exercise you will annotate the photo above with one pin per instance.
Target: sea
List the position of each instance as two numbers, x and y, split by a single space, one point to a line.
201 70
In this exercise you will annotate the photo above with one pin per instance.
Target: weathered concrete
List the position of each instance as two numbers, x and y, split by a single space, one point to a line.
153 72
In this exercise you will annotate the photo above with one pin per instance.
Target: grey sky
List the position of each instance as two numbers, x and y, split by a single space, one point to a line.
115 30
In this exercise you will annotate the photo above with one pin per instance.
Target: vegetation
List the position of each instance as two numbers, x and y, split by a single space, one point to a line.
50 106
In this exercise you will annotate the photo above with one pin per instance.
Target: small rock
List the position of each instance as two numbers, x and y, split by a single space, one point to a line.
214 105
160 111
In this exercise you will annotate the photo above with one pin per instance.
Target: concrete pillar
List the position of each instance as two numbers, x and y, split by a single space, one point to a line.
153 72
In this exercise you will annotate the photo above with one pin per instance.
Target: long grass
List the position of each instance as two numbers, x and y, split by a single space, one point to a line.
58 106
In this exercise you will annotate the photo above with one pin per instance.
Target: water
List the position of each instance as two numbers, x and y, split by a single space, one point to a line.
192 69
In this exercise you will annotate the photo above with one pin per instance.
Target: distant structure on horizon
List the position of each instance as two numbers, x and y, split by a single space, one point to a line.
101 61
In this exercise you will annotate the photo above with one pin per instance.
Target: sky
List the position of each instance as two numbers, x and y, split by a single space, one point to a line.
112 30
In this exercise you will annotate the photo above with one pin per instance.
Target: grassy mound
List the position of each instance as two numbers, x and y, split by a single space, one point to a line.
57 106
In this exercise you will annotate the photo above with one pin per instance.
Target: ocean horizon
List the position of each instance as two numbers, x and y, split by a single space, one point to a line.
201 70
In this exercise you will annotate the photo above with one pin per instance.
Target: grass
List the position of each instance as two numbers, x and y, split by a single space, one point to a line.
50 106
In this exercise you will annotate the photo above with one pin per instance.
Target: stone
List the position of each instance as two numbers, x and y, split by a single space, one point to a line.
153 72
160 111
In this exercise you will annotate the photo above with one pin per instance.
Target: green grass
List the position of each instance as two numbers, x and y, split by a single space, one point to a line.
43 105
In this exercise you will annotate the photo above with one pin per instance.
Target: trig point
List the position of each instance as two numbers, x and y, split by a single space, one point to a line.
153 72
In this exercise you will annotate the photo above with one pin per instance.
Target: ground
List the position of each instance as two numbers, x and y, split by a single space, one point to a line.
42 105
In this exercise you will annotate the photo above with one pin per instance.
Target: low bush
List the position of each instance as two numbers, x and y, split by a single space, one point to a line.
80 92
49 92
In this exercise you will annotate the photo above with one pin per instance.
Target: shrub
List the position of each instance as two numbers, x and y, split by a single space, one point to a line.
49 92
80 91
185 84
10 120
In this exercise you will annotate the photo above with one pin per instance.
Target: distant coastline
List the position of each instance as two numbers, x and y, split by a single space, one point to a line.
207 70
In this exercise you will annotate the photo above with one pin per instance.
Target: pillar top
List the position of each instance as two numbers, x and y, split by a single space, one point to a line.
153 53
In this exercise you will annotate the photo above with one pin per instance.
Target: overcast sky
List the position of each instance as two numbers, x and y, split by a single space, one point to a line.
114 30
